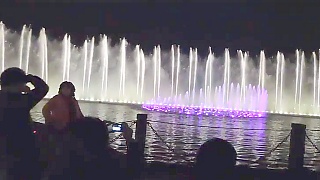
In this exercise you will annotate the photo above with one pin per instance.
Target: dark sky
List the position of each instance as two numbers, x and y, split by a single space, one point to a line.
247 26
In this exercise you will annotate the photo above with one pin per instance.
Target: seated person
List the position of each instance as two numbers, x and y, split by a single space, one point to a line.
63 108
216 159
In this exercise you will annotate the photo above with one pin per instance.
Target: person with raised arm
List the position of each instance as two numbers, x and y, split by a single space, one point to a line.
18 151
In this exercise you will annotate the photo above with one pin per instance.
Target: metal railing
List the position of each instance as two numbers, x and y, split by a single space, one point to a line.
260 159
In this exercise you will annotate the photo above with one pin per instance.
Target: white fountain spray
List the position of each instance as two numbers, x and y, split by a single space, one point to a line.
138 61
43 54
2 44
282 80
68 58
195 74
159 68
28 50
46 57
65 56
210 72
319 83
154 72
314 79
172 70
105 56
190 70
143 69
243 58
277 79
297 76
228 95
262 70
301 78
21 45
123 67
178 70
206 78
226 79
85 52
90 63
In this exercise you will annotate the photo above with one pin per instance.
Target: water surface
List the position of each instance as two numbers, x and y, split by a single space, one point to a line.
183 134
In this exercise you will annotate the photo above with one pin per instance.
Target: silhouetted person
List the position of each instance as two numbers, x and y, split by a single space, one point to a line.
103 160
19 155
63 108
216 159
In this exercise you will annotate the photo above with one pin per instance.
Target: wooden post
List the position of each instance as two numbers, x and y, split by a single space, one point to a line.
135 152
141 131
297 146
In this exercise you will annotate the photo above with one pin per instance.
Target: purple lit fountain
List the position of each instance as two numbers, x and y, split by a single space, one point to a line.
249 103
242 101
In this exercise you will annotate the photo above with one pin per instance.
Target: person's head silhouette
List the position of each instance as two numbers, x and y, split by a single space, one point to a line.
215 158
67 89
13 76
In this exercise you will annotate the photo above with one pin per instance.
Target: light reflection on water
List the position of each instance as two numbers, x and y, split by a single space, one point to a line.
252 138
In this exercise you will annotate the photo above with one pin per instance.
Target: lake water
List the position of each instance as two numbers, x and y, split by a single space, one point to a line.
183 135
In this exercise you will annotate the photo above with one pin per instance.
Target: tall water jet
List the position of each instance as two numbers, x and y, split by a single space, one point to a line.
172 70
282 80
28 50
138 61
105 66
43 54
210 71
85 54
297 76
123 56
262 70
195 74
2 44
225 77
178 70
90 63
319 82
206 78
21 45
159 68
65 57
277 79
190 69
69 57
314 79
155 64
302 64
243 59
143 69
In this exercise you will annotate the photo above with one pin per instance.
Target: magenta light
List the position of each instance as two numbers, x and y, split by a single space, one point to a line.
207 111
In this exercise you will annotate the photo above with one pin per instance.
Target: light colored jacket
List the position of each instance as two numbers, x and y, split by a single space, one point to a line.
57 112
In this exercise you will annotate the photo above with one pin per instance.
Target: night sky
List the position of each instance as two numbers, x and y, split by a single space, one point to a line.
247 26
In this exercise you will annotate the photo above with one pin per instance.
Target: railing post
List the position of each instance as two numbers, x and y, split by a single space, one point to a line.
297 146
140 135
135 152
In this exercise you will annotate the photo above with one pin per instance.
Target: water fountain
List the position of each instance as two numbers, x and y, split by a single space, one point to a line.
164 80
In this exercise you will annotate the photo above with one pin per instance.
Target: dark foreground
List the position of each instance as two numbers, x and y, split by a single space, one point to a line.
157 170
